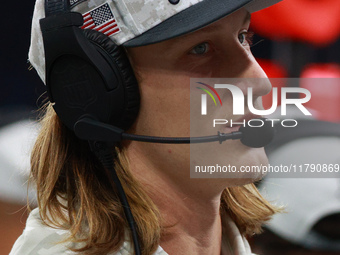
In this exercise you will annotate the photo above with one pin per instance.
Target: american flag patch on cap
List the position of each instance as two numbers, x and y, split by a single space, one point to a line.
102 20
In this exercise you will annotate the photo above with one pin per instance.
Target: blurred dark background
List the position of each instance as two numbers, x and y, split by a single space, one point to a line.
19 87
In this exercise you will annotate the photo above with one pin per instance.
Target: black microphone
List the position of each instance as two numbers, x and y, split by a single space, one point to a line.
92 130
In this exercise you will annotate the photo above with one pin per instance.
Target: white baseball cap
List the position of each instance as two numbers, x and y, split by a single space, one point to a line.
140 22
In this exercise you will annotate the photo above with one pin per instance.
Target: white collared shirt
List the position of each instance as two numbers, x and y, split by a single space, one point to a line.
39 239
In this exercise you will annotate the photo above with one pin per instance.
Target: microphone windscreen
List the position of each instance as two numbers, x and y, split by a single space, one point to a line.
257 137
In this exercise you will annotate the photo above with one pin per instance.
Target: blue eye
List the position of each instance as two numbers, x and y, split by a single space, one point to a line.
246 38
242 38
200 49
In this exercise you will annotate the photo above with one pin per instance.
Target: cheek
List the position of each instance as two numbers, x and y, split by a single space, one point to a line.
217 64
221 64
165 104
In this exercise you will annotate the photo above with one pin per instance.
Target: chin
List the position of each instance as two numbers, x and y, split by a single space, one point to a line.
254 159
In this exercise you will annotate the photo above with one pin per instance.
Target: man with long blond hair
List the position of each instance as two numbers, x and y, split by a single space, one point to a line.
166 42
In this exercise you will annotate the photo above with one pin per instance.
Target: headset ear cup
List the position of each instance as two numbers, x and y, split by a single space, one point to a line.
117 55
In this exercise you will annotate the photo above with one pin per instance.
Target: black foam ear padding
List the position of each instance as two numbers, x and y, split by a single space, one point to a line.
121 65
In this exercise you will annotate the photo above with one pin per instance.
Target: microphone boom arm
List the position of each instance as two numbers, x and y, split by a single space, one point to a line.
92 130
220 137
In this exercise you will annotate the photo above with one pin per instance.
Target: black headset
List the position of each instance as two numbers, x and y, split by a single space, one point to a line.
87 74
89 77
92 85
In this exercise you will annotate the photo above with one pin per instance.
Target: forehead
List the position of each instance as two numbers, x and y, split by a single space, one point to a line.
228 23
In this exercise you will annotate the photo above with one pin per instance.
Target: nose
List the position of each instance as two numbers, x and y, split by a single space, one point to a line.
254 70
258 79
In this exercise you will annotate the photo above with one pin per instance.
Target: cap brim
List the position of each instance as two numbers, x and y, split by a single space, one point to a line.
194 18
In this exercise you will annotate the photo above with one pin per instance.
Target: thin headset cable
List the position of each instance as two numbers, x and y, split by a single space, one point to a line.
104 154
